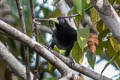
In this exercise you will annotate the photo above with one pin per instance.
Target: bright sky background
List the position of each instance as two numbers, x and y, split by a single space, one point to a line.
110 71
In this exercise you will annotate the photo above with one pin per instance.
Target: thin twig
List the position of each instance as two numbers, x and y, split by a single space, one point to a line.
21 15
71 16
36 36
37 20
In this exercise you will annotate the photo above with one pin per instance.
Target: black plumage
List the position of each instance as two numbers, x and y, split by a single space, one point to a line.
64 36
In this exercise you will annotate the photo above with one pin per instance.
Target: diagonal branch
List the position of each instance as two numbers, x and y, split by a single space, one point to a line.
80 68
12 62
62 67
109 16
62 5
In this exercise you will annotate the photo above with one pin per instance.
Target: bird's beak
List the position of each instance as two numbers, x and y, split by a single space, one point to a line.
54 20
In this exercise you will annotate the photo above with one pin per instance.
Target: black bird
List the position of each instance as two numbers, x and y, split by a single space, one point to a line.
64 36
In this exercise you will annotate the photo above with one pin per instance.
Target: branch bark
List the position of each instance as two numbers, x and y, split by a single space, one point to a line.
44 28
109 16
62 67
12 62
85 21
26 52
79 68
34 25
62 5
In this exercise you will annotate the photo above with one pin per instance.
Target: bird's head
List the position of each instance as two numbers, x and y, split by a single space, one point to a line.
63 22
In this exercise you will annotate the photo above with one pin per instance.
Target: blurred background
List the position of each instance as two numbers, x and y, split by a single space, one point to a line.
43 9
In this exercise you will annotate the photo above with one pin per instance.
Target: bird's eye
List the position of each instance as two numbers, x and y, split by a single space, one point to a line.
62 20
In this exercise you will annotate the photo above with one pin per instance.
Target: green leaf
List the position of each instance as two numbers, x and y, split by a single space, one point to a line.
112 1
102 43
51 68
103 34
114 43
118 78
77 53
71 11
109 48
59 50
82 37
94 15
100 26
91 58
111 60
81 44
100 47
80 5
118 1
77 18
88 1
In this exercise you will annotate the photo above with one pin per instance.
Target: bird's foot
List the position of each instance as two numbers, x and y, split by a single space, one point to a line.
72 62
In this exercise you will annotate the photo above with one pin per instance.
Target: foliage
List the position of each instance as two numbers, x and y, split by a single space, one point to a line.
80 6
81 44
107 43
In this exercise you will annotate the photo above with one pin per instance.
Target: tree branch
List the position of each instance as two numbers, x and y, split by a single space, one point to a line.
62 5
26 52
34 25
109 16
48 55
12 62
62 67
80 68
44 28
